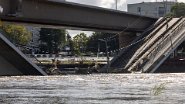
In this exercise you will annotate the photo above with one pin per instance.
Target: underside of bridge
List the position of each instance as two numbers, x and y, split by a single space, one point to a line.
72 15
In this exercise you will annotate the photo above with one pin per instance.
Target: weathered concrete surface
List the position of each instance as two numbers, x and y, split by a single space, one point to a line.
72 15
14 62
88 89
7 68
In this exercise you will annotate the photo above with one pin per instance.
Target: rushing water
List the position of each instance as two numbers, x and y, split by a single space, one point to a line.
94 89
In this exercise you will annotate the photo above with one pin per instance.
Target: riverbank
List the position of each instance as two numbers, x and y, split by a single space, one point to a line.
63 69
84 65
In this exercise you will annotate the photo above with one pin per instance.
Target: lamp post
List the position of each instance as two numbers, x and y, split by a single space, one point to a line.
116 1
98 50
106 46
165 7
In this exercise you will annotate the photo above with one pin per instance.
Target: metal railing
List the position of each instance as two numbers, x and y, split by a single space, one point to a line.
150 55
145 46
135 42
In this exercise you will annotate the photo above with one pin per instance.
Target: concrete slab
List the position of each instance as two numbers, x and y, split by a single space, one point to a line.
14 62
72 15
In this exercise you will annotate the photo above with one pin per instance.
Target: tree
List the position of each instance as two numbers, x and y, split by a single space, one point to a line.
70 44
92 44
178 10
80 42
52 40
18 34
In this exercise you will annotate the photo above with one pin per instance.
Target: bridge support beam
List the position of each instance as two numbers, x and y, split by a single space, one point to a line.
72 15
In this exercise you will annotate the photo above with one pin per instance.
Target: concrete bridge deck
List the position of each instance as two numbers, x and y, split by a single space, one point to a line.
72 15
14 62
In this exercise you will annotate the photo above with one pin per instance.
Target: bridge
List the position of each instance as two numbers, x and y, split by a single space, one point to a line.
13 61
59 14
150 50
71 15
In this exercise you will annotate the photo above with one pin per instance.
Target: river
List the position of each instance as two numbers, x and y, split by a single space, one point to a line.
94 89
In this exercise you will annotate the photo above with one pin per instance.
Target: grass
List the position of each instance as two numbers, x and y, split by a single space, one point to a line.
159 89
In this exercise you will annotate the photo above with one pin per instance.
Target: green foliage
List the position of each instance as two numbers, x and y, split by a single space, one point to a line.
80 43
70 43
52 40
18 34
159 89
93 42
178 10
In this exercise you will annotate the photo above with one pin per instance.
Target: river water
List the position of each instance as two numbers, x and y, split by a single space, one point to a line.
94 89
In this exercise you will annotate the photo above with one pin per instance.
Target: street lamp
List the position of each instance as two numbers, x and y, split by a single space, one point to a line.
116 2
106 46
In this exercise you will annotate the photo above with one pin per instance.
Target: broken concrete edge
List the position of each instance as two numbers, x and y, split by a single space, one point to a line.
21 54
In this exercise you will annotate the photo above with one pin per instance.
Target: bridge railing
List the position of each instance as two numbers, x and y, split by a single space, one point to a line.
164 41
169 37
150 55
144 48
